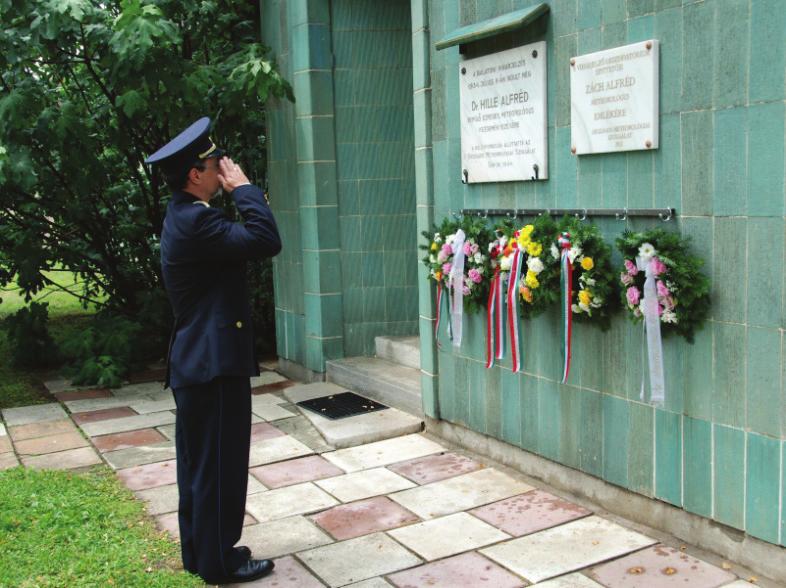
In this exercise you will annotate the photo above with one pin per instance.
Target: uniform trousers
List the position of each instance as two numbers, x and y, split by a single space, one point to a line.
212 440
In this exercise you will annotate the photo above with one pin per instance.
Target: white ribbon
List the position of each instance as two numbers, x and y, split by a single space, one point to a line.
457 284
649 307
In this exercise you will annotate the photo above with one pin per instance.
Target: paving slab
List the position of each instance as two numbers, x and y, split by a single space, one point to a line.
291 500
288 573
149 475
276 449
365 484
254 486
282 537
269 411
270 365
372 583
659 566
739 584
136 456
63 460
448 536
269 398
160 500
300 392
82 394
127 439
266 378
94 404
358 559
59 385
576 580
460 493
169 523
33 430
8 460
434 468
24 415
301 429
5 444
295 471
139 390
363 517
530 512
382 453
132 423
262 431
51 443
167 431
103 414
566 548
148 406
467 569
274 387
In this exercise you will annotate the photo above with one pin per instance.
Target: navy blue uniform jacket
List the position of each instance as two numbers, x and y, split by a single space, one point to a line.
203 258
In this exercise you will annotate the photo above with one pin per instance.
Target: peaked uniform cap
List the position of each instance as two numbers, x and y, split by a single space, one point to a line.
191 145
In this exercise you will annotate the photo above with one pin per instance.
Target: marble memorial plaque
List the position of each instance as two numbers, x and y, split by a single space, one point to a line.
503 115
614 99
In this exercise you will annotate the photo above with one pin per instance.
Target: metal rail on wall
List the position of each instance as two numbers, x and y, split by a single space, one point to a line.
664 214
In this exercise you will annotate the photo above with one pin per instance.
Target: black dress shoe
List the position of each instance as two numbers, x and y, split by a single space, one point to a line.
252 570
244 551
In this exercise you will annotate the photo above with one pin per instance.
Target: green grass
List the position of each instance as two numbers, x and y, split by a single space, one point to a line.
20 387
60 529
61 303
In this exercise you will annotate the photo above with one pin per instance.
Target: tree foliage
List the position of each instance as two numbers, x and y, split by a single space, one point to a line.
88 89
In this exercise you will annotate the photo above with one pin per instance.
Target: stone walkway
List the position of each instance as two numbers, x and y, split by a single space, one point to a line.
405 512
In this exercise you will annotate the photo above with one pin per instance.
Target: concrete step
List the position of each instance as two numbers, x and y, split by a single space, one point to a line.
381 380
401 350
354 430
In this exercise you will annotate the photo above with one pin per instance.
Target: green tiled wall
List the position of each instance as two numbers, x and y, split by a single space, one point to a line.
375 170
717 446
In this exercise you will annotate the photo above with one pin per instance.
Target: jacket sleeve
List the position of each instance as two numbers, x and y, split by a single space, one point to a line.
255 238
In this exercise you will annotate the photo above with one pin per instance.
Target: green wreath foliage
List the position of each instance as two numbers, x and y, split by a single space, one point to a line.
683 290
594 289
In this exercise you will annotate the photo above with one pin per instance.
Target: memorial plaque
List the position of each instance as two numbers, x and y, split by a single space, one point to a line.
503 115
614 99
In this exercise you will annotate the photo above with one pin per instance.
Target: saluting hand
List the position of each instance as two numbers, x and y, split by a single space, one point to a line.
230 175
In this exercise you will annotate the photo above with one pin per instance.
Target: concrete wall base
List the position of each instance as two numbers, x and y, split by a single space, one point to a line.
295 371
729 543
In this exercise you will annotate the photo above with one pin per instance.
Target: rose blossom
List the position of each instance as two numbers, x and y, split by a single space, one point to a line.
465 290
446 268
467 248
633 295
631 267
447 249
662 289
474 248
626 278
657 267
475 276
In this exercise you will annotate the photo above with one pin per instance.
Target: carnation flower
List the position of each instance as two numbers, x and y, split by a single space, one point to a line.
475 276
467 248
442 256
587 263
573 253
668 316
504 264
534 248
437 238
657 267
432 259
589 282
526 294
662 289
535 264
446 268
474 248
478 258
447 249
633 295
554 251
646 251
465 290
631 267
532 279
584 307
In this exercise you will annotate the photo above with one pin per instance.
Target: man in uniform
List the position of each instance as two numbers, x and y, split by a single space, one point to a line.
211 354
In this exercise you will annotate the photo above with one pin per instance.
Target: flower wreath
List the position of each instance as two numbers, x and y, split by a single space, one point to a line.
593 274
683 292
439 259
539 281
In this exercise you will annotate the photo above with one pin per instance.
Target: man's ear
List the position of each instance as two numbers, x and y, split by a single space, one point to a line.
193 175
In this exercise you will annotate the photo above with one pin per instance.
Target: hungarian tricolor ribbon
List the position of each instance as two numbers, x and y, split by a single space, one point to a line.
495 334
513 309
652 328
566 289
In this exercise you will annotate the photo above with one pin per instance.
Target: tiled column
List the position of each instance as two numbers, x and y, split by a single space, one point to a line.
312 61
421 76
